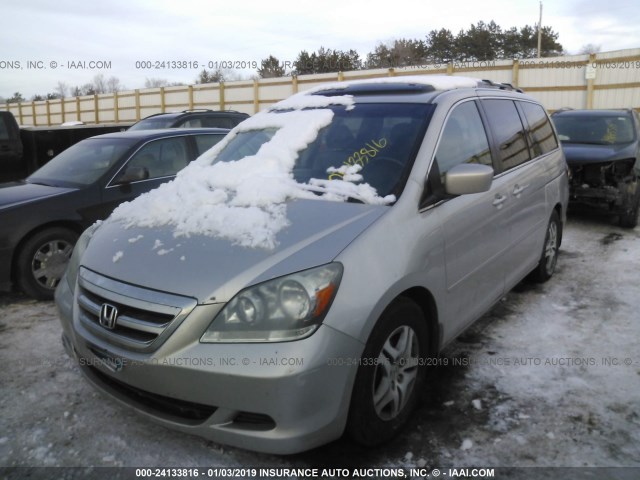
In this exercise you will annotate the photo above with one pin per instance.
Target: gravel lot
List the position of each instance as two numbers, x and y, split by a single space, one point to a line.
533 383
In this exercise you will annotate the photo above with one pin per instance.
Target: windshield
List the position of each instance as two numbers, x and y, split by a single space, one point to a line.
83 163
376 142
308 147
153 123
595 130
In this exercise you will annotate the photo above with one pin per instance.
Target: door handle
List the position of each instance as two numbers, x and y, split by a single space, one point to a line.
517 190
497 201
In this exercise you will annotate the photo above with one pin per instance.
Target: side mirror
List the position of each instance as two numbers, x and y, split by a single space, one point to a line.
133 174
468 178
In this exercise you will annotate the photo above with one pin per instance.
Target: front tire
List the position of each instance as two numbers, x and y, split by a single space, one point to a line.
629 219
390 376
42 261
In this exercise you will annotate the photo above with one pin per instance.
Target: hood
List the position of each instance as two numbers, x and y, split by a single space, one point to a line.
15 193
583 154
213 270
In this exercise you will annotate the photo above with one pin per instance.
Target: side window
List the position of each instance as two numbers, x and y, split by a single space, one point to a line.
463 139
543 140
508 131
161 158
205 142
191 123
217 122
4 131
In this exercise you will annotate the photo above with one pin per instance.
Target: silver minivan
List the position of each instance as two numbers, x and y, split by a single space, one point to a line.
294 281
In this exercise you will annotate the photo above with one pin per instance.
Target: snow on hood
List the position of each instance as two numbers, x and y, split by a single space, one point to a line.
244 201
207 268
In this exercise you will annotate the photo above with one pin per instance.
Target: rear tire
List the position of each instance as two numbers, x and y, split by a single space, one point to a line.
43 260
549 257
390 376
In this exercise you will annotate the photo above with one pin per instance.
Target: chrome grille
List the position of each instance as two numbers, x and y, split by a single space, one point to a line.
145 318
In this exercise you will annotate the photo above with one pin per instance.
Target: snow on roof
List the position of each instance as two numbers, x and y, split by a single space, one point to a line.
438 82
244 201
304 100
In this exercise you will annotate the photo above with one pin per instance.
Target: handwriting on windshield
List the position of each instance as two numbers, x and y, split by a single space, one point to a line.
611 135
361 156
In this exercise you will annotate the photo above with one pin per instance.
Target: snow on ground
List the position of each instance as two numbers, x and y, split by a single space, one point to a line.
558 370
532 383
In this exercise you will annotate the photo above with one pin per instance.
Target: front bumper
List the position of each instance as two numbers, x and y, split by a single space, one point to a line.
271 397
609 185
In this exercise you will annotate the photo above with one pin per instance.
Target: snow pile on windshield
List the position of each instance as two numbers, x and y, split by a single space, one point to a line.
244 201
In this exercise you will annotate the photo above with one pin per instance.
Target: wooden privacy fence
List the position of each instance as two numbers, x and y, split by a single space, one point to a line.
602 80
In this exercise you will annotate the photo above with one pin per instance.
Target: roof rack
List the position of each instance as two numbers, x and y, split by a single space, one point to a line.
362 89
501 86
206 110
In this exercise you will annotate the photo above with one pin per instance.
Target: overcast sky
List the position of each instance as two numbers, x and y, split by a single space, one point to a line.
125 31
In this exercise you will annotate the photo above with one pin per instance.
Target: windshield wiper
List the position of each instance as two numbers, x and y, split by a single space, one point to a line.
587 142
321 190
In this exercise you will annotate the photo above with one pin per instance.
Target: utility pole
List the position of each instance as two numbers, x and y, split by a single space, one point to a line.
540 30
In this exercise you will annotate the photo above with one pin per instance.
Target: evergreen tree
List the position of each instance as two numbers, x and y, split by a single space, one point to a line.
271 67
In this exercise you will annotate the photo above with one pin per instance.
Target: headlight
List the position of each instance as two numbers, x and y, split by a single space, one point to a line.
78 250
278 310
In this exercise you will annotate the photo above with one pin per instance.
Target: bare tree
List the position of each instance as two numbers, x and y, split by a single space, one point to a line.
62 89
589 48
88 89
113 85
99 84
155 82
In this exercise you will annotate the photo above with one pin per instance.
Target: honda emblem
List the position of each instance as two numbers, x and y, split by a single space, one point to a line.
108 316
